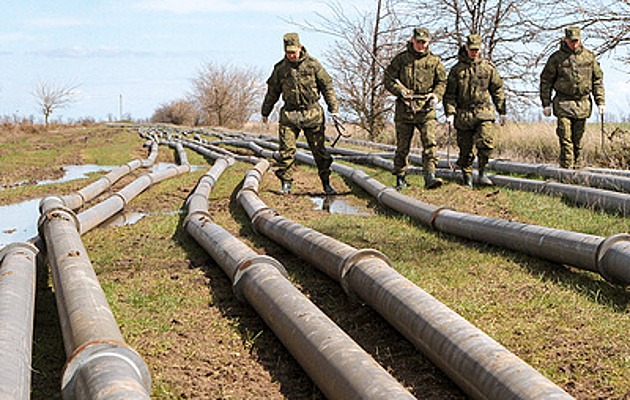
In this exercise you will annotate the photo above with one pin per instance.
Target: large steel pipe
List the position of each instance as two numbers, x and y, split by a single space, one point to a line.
100 364
17 308
337 365
475 362
88 193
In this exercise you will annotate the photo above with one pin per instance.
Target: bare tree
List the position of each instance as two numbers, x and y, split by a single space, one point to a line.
227 95
51 96
178 112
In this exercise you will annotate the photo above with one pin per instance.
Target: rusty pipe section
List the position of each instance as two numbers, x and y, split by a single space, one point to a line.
610 257
96 215
17 310
88 193
337 365
100 364
475 362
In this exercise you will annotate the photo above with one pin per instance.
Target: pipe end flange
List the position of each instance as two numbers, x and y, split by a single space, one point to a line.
602 249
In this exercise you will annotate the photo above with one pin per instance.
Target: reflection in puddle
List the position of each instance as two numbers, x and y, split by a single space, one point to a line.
336 206
73 172
18 222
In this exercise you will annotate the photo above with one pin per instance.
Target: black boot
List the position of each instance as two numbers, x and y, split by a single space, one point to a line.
286 187
467 176
483 178
431 182
401 182
329 190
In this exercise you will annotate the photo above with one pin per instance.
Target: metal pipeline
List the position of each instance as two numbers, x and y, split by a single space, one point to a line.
88 193
337 365
100 364
475 362
17 309
96 215
610 257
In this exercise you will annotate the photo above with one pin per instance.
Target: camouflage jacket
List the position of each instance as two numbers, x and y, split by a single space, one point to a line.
472 87
300 84
423 73
573 76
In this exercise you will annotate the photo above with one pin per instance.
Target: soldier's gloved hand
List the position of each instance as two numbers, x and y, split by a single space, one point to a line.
265 120
503 119
432 100
450 119
407 94
547 111
601 109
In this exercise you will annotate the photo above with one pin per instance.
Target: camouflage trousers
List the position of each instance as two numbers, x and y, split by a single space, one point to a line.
570 132
315 137
404 135
479 135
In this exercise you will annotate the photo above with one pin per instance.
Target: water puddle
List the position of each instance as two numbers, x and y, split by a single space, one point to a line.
18 222
123 218
336 206
73 172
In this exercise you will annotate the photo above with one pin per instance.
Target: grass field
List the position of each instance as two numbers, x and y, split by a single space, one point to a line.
176 308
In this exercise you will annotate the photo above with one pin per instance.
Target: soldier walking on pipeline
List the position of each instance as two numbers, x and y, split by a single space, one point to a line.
573 73
300 79
473 86
418 79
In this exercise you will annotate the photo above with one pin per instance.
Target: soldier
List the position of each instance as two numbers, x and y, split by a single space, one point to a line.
573 73
300 79
473 86
418 79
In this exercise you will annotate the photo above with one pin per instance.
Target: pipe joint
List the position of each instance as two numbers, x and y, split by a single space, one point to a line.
353 259
94 352
121 197
259 212
435 214
246 266
203 216
58 212
19 247
382 192
602 249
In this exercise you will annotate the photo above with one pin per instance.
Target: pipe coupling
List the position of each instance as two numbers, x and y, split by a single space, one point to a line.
204 217
58 212
91 352
351 260
121 197
602 249
259 212
435 214
246 266
382 192
15 248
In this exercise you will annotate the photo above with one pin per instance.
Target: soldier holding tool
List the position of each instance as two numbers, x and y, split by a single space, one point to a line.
418 79
473 86
573 73
300 79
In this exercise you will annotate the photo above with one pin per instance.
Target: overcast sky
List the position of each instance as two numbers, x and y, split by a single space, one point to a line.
147 51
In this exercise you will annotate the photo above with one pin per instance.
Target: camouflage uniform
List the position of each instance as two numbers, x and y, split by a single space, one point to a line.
472 88
421 73
573 75
300 84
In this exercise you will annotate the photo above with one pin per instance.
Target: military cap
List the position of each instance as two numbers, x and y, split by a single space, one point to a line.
572 33
291 42
473 42
421 34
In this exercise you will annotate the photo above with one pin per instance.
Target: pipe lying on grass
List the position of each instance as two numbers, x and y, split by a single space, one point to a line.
100 364
610 257
475 362
337 365
17 309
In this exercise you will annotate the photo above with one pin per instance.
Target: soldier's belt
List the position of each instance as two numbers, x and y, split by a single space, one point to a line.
300 107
